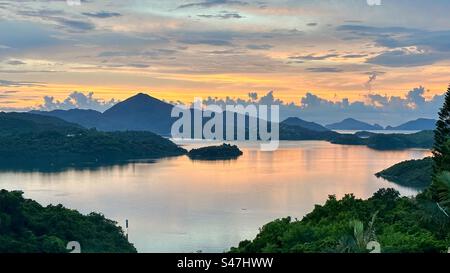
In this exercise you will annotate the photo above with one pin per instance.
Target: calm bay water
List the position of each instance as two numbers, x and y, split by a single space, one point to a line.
179 205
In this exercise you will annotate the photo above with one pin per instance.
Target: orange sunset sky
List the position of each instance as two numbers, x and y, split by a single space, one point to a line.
178 50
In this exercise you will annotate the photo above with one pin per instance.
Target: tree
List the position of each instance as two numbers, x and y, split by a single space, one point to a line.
441 136
358 241
441 150
28 227
443 188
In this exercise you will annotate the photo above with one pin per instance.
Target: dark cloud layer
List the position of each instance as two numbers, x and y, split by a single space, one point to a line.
406 46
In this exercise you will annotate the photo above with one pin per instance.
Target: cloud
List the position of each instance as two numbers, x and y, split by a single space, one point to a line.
200 41
26 35
433 40
313 57
76 25
154 53
380 34
259 47
372 77
15 62
102 14
77 100
7 94
406 58
213 3
6 83
212 38
224 52
132 65
222 15
324 69
354 56
386 110
407 47
60 18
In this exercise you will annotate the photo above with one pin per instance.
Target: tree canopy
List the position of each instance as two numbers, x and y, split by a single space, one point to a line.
440 188
28 227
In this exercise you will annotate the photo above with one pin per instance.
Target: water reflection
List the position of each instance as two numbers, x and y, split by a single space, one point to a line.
179 205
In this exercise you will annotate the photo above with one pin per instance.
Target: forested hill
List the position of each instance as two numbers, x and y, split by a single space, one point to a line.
28 227
398 224
28 141
411 173
19 123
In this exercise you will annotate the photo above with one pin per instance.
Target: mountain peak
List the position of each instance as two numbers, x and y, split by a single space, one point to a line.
140 112
295 121
418 124
138 103
141 96
353 124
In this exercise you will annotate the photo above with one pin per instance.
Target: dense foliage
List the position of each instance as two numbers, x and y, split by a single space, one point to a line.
28 140
27 227
399 224
441 152
440 188
86 147
224 151
411 173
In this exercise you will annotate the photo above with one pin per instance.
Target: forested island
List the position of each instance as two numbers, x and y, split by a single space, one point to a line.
423 139
222 152
377 141
28 227
411 173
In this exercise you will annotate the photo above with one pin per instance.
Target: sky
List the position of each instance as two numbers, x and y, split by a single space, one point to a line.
321 59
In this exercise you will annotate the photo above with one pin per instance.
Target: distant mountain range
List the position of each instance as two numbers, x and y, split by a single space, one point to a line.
145 113
86 118
142 113
138 113
418 124
414 125
353 124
